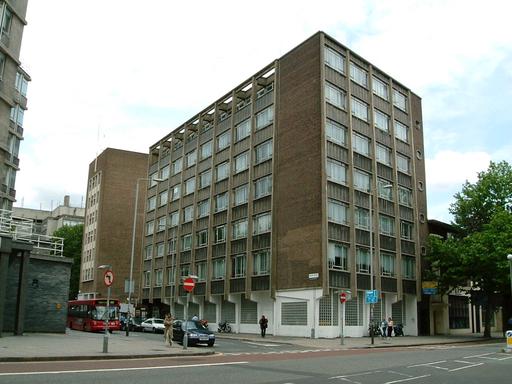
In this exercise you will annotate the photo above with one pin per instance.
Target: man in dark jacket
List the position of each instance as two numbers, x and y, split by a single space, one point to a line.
263 325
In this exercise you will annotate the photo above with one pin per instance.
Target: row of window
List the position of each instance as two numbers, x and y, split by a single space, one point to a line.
361 110
222 141
262 153
337 256
360 76
262 223
261 266
240 195
337 212
337 172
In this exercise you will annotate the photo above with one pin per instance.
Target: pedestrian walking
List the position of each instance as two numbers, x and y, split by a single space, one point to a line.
168 329
263 325
390 326
384 327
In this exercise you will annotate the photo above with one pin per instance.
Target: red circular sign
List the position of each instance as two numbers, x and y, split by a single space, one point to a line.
189 284
343 297
108 278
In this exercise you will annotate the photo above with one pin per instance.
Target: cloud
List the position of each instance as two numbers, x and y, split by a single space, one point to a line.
449 168
124 74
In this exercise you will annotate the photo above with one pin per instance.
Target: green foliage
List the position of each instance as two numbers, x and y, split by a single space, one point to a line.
485 254
477 260
477 203
445 258
73 249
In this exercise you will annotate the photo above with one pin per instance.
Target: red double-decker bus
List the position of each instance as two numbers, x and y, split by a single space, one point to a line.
89 315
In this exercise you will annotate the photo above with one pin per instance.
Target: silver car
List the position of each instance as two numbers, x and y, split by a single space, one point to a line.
153 324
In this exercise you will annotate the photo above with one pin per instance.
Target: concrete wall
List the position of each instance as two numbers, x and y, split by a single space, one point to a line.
46 295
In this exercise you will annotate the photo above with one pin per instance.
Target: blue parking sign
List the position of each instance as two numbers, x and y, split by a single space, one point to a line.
372 297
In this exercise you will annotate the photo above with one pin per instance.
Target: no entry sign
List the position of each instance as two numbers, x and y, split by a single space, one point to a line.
189 284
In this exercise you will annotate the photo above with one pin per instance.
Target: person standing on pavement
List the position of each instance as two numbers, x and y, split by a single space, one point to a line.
168 329
263 325
390 326
384 327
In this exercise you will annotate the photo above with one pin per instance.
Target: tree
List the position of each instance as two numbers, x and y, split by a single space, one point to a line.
476 260
477 203
73 249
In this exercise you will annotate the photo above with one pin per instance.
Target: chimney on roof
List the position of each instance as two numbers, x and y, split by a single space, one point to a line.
66 201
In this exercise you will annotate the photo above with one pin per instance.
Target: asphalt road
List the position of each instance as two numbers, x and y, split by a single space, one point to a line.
483 363
225 345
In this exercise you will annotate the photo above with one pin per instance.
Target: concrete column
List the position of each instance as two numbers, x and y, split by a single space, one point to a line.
24 257
4 266
5 252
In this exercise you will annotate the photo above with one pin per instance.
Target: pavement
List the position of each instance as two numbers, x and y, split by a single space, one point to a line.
77 345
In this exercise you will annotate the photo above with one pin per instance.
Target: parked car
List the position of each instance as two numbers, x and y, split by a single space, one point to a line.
197 332
153 324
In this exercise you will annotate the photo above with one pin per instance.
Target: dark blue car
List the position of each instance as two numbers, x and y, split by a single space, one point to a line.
197 332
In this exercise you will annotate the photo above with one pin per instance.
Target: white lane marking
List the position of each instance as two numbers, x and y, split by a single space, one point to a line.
408 379
262 344
467 366
483 354
345 377
486 356
425 364
120 369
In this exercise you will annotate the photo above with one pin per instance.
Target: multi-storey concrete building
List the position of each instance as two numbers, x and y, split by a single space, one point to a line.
47 222
108 223
276 194
13 92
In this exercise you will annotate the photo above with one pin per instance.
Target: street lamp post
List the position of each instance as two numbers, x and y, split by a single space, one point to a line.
131 285
108 267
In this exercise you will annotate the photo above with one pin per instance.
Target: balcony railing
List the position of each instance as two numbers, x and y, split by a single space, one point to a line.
22 229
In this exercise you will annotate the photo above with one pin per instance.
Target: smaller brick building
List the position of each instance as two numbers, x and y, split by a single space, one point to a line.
112 180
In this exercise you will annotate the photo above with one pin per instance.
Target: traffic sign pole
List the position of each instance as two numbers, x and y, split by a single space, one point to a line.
188 285
343 299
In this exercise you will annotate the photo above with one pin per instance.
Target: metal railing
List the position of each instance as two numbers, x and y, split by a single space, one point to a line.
22 229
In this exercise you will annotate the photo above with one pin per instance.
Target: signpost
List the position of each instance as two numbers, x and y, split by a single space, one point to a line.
429 287
372 297
108 279
188 285
344 296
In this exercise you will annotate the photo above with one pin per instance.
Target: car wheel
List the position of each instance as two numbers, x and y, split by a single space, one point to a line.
210 344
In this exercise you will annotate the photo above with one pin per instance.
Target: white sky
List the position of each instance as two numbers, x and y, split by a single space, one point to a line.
124 73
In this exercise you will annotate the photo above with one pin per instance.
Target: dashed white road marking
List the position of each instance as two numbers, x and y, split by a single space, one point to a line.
500 356
428 364
467 366
349 377
262 344
408 379
121 369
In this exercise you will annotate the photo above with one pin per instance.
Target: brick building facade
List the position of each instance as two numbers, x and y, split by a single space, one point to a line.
272 194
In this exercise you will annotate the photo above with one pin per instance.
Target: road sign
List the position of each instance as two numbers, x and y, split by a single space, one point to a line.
343 297
189 284
108 278
372 297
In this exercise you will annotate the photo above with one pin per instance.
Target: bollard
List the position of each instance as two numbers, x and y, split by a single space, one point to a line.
508 348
